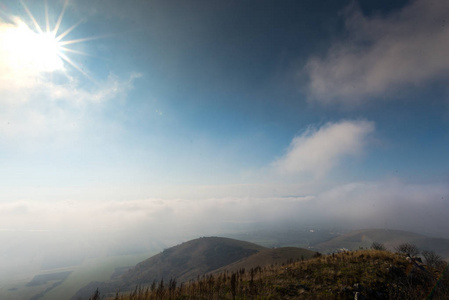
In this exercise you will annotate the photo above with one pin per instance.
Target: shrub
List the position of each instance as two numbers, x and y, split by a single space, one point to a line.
378 246
433 260
407 249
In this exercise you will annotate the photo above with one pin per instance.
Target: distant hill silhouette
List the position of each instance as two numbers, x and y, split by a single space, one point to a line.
190 259
390 238
195 258
267 257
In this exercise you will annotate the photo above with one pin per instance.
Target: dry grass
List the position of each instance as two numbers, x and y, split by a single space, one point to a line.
373 274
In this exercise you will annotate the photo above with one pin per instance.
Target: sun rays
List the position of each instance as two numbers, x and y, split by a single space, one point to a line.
42 47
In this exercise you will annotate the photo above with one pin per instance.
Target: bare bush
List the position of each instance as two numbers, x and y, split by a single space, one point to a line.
433 260
378 246
407 249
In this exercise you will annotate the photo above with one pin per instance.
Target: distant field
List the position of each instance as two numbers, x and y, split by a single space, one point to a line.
96 269
99 269
20 291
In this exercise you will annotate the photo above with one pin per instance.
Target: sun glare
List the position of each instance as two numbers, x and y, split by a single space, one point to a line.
38 50
48 50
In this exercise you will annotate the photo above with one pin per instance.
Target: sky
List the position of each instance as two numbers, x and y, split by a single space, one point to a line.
166 116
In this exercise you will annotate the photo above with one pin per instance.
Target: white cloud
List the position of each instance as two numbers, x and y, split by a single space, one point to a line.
317 151
383 54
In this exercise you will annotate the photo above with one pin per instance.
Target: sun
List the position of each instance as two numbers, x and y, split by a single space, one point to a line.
36 49
48 49
31 50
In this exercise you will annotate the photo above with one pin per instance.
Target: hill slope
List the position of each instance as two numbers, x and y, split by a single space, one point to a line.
195 258
362 274
183 262
390 238
190 259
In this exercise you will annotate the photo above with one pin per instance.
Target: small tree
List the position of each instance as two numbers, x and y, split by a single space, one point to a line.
95 296
433 260
407 249
378 246
233 285
317 254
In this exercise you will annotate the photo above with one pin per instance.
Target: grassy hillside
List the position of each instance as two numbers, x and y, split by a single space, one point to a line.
390 238
190 259
363 274
183 262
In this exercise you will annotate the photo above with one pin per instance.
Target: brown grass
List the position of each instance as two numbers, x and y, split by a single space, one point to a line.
374 274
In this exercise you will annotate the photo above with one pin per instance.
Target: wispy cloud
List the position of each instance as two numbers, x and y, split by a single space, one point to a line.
317 151
49 109
382 54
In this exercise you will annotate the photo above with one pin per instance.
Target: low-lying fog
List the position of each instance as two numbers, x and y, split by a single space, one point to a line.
50 235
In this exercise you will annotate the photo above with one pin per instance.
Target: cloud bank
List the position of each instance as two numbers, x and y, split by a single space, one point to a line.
68 229
388 203
317 151
382 54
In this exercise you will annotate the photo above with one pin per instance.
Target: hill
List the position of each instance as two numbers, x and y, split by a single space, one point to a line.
390 238
190 259
183 262
362 274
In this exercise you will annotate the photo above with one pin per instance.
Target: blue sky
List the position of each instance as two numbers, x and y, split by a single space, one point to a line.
222 110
